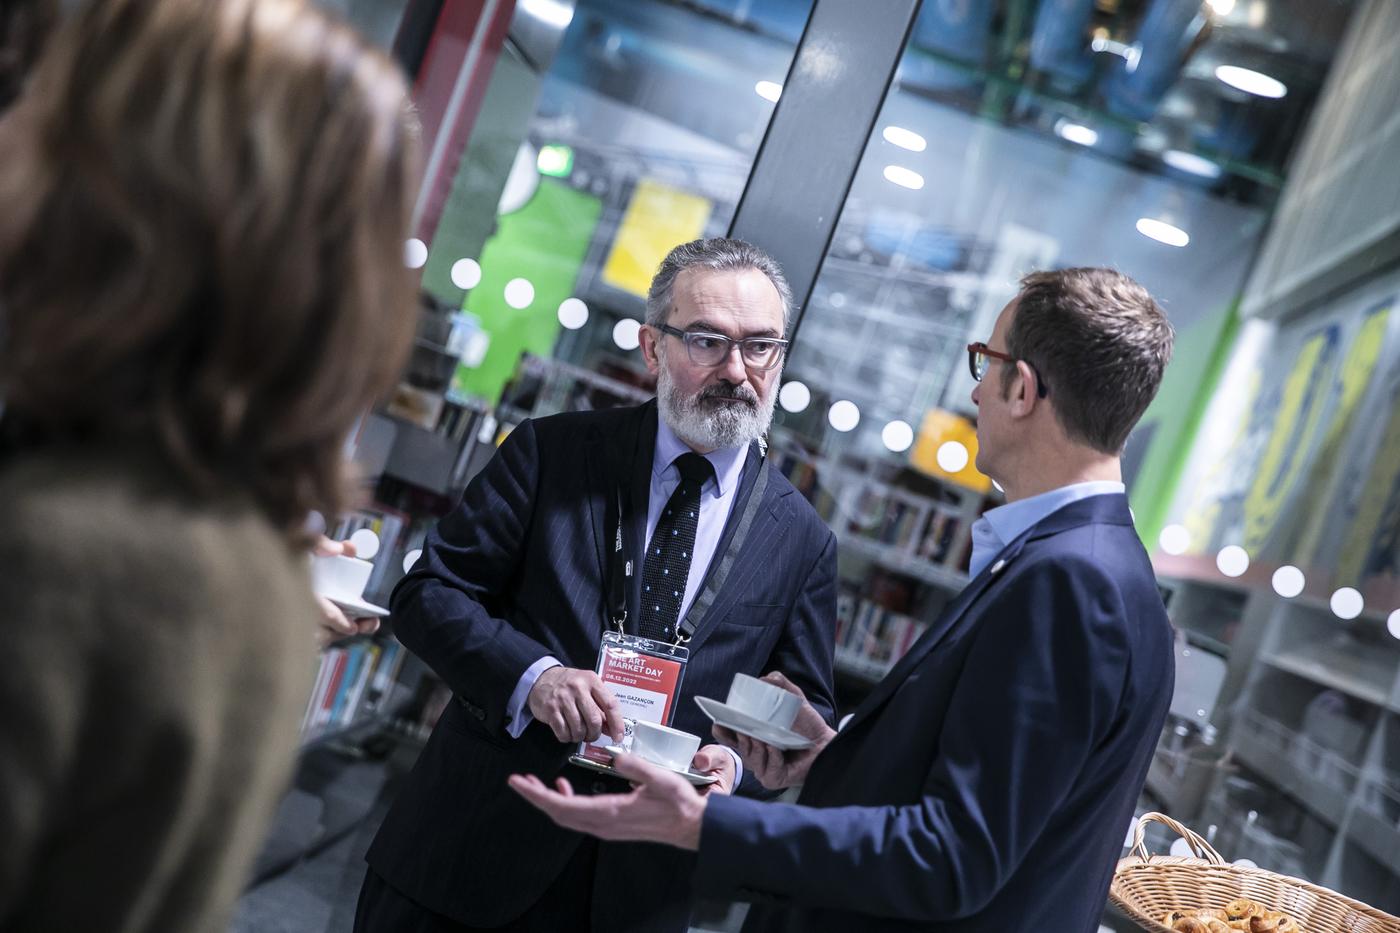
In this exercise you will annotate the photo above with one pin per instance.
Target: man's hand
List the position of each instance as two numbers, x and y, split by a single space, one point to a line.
334 623
576 704
712 759
777 769
662 807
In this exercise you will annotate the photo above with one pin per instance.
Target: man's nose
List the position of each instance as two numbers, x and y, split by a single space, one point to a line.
733 368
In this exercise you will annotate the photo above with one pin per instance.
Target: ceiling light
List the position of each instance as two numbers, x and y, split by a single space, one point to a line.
519 293
550 12
1174 539
794 397
1076 133
898 436
573 313
1232 560
1288 581
905 178
625 333
843 415
768 90
1162 232
366 543
415 253
952 457
466 273
1392 624
1191 163
1347 603
1250 81
1222 7
905 139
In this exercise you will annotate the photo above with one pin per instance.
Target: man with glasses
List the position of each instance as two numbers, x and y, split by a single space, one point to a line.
664 521
987 782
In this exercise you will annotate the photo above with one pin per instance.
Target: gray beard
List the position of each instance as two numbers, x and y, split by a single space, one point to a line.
702 422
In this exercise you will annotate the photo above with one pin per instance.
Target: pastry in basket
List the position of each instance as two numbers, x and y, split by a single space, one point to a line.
1272 922
1190 925
1205 920
1243 909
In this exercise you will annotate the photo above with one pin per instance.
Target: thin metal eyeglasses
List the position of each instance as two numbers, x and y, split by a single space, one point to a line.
760 353
980 356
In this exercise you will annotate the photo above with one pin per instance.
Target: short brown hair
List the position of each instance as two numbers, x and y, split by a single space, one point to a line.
1099 341
24 24
205 206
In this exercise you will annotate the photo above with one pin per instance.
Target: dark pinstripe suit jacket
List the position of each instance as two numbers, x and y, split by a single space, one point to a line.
517 572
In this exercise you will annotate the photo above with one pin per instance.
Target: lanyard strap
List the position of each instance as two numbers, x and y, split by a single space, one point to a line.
622 566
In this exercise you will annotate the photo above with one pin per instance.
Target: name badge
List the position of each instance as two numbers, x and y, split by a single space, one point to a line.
645 676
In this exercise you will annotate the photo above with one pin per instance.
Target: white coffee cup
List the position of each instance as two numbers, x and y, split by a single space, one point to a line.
762 700
340 577
664 746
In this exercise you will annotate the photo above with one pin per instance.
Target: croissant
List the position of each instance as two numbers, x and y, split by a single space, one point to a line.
1190 925
1243 909
1217 926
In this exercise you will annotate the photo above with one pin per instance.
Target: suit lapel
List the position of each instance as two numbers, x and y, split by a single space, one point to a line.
602 494
611 460
937 632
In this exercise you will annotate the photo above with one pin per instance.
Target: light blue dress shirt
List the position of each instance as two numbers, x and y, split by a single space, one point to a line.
1000 526
716 502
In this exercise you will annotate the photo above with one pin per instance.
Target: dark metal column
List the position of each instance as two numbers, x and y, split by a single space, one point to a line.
804 168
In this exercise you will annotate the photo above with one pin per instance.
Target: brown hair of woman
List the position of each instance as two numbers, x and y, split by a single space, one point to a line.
201 241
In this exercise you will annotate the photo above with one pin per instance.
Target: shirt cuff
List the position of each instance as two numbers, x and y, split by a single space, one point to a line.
518 714
738 765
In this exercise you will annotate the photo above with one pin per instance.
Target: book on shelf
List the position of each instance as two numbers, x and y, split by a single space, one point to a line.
352 681
870 635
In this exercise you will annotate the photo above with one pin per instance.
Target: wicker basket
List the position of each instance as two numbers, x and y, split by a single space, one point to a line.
1148 887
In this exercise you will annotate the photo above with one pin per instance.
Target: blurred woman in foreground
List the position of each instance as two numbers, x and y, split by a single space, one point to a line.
203 205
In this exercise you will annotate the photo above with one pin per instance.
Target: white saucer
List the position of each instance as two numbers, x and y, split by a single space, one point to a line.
694 777
357 608
767 733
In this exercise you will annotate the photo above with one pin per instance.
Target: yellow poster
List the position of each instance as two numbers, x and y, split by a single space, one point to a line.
1291 443
938 428
658 219
1355 376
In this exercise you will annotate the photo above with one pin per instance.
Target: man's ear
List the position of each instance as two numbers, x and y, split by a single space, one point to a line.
1023 390
650 338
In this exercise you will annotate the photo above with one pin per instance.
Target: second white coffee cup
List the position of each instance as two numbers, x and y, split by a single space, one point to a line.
762 700
340 577
662 745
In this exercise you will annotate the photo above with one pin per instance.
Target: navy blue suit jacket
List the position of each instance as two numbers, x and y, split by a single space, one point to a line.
987 783
516 572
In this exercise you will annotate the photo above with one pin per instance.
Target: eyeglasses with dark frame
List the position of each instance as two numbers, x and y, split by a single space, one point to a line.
708 350
979 357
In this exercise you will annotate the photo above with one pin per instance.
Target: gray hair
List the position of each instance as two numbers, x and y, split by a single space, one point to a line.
721 254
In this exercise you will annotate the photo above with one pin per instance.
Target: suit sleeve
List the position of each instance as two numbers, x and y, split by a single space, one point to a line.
442 609
807 647
1039 690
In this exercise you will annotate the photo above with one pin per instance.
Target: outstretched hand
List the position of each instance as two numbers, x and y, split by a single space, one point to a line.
661 807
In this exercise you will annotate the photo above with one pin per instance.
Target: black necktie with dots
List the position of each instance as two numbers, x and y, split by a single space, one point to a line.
667 564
